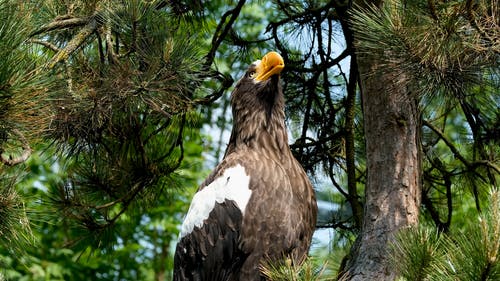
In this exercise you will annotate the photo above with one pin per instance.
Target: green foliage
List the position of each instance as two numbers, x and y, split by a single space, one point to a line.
422 253
21 88
474 253
123 111
285 270
103 199
416 249
15 230
137 247
438 45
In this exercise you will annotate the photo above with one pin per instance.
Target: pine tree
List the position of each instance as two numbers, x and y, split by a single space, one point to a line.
23 117
114 116
123 106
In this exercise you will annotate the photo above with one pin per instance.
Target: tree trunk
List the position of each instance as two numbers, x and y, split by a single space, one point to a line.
393 189
391 124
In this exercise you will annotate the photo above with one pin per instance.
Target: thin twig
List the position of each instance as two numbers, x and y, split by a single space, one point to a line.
220 32
46 44
12 161
350 104
457 154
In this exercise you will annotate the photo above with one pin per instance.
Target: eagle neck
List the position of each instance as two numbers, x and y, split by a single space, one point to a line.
260 126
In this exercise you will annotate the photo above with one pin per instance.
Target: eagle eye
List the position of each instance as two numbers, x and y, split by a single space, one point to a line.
251 74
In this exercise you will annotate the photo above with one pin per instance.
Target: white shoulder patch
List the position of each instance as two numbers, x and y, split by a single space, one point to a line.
232 185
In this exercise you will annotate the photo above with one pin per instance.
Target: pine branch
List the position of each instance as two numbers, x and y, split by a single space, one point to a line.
327 64
285 269
62 24
448 143
222 30
15 227
12 161
357 208
457 153
227 82
112 56
426 200
46 44
305 17
76 42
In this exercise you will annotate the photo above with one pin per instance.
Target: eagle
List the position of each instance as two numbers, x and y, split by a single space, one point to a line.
258 205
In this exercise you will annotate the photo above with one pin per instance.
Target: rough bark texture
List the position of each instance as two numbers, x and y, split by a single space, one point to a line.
393 169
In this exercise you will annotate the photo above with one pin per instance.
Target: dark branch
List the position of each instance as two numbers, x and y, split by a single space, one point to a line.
46 44
222 30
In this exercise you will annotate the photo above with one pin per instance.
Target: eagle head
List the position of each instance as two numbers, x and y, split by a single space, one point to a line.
257 101
271 64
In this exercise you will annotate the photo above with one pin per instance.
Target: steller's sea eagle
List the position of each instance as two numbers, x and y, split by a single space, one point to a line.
258 204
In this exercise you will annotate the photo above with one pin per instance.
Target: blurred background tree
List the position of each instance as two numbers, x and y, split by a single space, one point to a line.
112 112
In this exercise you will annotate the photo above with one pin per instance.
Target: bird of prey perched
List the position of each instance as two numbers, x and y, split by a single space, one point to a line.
258 204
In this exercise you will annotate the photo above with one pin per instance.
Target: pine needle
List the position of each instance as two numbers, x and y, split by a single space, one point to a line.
286 270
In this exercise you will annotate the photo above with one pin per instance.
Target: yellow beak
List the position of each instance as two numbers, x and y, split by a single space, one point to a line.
272 63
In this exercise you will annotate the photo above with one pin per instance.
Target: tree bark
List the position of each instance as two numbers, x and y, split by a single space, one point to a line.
392 193
391 123
393 186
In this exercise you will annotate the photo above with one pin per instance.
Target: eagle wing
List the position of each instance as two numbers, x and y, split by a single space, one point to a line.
208 245
245 211
279 218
